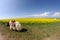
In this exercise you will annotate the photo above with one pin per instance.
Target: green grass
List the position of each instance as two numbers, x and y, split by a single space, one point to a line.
34 31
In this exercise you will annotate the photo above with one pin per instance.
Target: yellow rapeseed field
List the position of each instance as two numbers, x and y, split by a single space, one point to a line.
33 20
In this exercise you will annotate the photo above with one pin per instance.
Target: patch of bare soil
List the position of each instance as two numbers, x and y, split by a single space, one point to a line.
2 37
56 36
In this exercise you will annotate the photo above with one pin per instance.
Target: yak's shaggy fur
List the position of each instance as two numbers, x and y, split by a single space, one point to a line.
17 26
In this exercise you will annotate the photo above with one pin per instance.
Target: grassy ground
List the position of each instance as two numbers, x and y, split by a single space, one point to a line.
32 31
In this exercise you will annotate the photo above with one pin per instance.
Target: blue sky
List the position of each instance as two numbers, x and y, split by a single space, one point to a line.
29 8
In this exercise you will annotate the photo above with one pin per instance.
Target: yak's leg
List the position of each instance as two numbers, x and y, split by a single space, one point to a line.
11 28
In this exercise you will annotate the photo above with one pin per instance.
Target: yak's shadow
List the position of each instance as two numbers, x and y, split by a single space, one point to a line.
23 30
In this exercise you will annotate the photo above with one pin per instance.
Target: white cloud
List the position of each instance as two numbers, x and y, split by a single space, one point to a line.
56 14
42 14
45 14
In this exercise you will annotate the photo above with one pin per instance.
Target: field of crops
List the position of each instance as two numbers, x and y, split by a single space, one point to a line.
33 20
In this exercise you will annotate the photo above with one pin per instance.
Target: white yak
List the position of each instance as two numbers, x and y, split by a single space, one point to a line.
15 25
18 26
